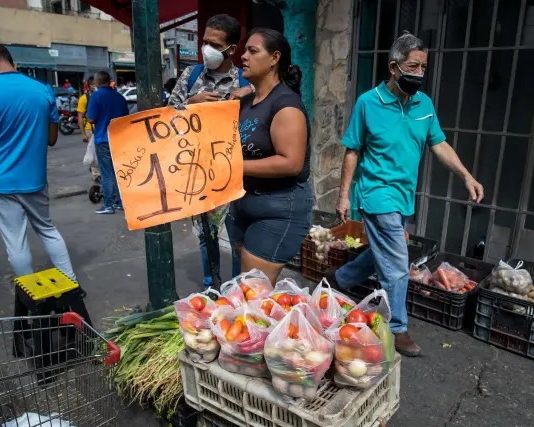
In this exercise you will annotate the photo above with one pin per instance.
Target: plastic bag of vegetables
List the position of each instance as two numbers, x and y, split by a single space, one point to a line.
270 308
248 286
364 344
242 333
288 294
330 304
420 274
360 356
297 355
513 280
193 315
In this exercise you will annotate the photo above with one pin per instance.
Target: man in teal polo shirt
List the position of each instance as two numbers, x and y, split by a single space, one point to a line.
390 126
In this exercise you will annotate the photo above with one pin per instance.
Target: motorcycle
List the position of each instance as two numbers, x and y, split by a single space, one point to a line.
68 122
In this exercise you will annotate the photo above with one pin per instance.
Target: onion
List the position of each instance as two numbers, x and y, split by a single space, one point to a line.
357 368
280 385
310 392
296 390
315 357
190 340
204 336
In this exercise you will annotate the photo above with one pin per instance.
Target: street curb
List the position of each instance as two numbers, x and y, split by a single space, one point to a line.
68 194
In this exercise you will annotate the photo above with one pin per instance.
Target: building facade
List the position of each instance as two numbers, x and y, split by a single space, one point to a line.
54 40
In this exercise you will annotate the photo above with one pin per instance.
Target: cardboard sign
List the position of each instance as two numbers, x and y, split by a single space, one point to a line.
173 164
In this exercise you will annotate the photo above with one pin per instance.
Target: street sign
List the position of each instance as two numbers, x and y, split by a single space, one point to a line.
169 43
172 164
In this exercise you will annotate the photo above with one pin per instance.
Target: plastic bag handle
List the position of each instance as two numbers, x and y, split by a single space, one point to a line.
229 283
325 281
211 290
519 264
255 272
375 294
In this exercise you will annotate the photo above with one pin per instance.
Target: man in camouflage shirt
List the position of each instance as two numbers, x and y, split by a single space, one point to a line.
217 79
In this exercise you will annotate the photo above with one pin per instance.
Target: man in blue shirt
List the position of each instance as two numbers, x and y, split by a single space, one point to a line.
390 126
28 125
105 105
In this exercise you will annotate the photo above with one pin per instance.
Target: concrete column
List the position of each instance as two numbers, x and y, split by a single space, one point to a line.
299 28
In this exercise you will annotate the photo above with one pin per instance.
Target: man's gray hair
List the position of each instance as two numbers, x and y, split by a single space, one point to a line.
401 48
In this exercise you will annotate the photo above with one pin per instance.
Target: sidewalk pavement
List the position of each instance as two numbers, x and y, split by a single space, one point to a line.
458 381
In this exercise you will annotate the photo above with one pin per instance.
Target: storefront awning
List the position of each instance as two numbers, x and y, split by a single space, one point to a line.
33 57
122 9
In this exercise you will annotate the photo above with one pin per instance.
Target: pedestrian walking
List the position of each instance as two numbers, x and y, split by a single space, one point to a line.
390 126
270 222
28 125
105 105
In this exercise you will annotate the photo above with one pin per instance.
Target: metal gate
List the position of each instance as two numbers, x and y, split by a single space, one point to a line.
481 57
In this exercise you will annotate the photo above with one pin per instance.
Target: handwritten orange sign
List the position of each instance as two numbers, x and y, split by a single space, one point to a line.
173 164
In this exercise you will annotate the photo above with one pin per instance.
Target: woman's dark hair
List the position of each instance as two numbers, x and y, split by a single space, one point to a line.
274 41
228 24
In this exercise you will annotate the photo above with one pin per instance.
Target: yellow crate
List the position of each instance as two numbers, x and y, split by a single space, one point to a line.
46 284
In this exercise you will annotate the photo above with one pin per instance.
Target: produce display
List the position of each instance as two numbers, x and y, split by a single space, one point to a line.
288 294
297 355
149 369
515 282
242 333
331 304
364 344
194 313
445 277
321 237
324 240
247 287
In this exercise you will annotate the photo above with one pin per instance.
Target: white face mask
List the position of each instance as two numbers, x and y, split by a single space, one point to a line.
213 58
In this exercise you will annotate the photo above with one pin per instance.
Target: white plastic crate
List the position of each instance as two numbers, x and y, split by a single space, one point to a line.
252 402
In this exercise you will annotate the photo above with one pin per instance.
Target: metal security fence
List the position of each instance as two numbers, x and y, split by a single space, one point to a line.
481 53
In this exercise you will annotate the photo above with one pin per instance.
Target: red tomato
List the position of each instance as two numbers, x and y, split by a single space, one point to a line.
297 299
234 331
251 294
243 336
293 331
198 303
267 306
225 325
323 301
348 333
223 301
357 316
284 299
373 353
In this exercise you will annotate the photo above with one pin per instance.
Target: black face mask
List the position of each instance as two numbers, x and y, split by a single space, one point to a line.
409 83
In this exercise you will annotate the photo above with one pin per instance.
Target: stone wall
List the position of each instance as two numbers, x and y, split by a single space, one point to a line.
332 43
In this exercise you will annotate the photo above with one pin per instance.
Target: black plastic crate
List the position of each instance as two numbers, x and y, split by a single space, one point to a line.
505 321
418 247
449 309
324 219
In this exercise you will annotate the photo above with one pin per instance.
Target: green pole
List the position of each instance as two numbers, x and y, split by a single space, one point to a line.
158 240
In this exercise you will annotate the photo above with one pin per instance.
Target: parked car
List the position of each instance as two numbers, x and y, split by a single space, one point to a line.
129 93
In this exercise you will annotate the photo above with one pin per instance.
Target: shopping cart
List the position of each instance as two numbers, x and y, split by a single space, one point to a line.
55 371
